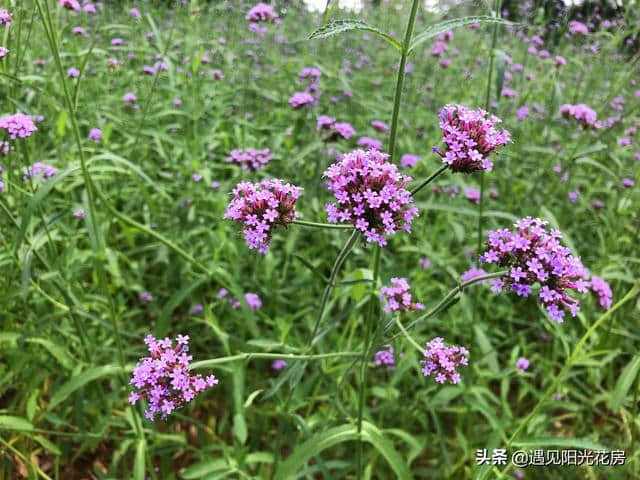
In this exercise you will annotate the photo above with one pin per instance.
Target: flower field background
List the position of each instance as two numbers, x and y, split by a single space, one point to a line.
257 241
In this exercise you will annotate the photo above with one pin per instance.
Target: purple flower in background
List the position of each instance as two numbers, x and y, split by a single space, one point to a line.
262 206
442 361
196 177
380 126
38 168
522 113
470 137
117 41
145 297
370 143
5 17
262 12
573 196
344 129
578 28
164 379
385 357
70 5
197 309
409 160
18 125
79 31
4 51
73 73
532 255
176 102
253 300
585 115
300 99
278 365
602 289
89 8
627 183
79 214
324 122
472 273
250 159
310 72
214 185
370 194
95 134
425 263
522 364
397 297
129 97
223 292
473 195
135 13
560 60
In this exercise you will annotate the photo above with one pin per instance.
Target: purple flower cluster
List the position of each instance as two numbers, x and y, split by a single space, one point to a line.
585 115
70 5
385 357
472 273
260 207
397 297
164 379
5 17
370 193
442 361
336 129
602 289
251 159
534 254
38 168
300 99
470 137
18 125
262 12
253 300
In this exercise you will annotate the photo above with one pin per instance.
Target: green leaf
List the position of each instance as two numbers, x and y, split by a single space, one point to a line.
487 349
240 428
559 442
56 351
9 422
340 26
435 30
139 460
201 469
624 384
81 380
47 444
294 465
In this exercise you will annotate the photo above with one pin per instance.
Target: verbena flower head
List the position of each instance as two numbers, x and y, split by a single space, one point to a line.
129 97
70 5
578 28
522 364
250 159
442 361
163 378
262 206
370 193
380 126
397 297
472 273
4 51
385 357
585 115
278 365
300 99
534 255
409 160
601 288
262 12
253 300
5 17
38 168
18 125
95 134
370 143
470 137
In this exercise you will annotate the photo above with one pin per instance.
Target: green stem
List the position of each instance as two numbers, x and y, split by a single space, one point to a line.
269 356
400 79
487 101
407 336
429 179
329 226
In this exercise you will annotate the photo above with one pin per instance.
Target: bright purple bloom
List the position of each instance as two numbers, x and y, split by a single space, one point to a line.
73 73
425 263
560 60
79 214
89 8
385 357
522 364
253 300
38 168
602 289
380 126
370 193
582 113
577 28
470 137
18 125
79 31
164 379
324 122
214 185
522 113
472 273
129 97
310 72
442 361
250 159
135 13
4 51
534 255
70 5
300 99
473 195
262 206
196 177
627 183
397 297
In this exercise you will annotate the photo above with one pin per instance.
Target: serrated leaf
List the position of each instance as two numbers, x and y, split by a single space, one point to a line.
435 30
340 26
624 384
